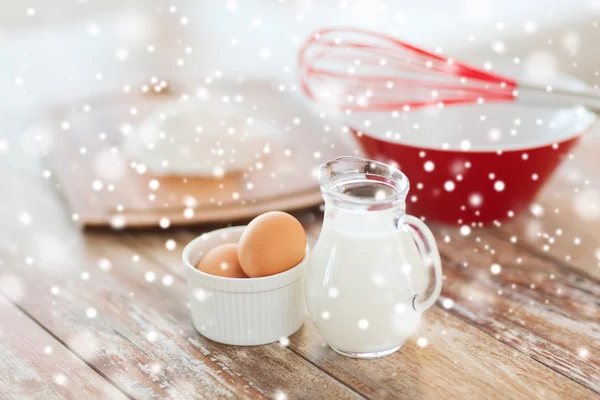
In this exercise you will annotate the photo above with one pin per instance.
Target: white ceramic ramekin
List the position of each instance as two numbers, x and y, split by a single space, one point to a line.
246 311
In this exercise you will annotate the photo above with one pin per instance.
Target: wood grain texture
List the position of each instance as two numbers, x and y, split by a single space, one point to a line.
141 338
37 366
92 293
455 352
546 312
563 222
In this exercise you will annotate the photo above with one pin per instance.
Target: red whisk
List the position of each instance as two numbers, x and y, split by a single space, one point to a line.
358 70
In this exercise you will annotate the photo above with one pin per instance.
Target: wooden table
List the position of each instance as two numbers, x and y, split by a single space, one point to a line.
104 314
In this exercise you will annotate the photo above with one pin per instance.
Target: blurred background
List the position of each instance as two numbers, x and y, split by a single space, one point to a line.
71 48
67 54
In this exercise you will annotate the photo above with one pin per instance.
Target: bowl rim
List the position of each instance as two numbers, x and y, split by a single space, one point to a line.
574 132
227 284
529 147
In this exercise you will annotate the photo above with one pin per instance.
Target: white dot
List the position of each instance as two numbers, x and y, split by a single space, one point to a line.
150 276
499 186
378 279
495 269
122 54
154 184
104 264
530 27
25 218
465 145
333 292
363 324
265 53
536 209
60 379
279 395
141 169
167 280
54 290
117 221
200 294
231 5
583 353
447 303
475 200
449 186
380 195
465 230
325 315
93 30
429 166
400 308
494 134
48 349
188 213
91 312
422 342
31 11
170 244
164 223
97 185
152 336
284 341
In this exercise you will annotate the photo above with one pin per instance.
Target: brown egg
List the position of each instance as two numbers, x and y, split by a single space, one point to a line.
271 243
222 261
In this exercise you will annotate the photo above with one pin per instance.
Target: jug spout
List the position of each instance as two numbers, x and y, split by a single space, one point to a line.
356 182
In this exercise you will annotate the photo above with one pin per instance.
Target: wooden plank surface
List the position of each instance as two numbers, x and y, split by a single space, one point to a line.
563 222
414 371
556 310
118 301
137 330
37 366
141 337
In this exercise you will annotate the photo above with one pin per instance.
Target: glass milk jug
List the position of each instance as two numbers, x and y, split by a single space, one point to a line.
368 276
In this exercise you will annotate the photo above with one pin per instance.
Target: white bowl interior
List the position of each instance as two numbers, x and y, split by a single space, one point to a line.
478 127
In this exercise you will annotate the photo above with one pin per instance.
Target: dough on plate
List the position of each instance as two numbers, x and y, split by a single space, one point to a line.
199 137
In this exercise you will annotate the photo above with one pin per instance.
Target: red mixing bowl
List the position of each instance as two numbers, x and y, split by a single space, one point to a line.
472 163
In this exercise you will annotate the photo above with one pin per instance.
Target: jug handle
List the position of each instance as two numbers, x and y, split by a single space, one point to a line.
429 253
